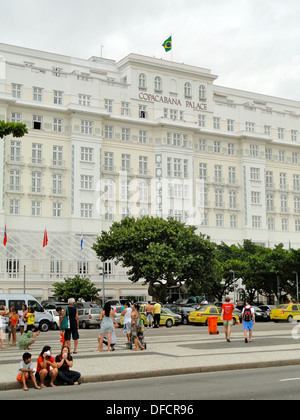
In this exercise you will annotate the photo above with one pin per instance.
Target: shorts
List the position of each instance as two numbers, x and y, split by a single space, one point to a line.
248 325
149 318
1 334
71 331
19 378
228 322
126 328
47 377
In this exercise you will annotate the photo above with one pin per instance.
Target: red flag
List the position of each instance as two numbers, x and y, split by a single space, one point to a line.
45 240
5 237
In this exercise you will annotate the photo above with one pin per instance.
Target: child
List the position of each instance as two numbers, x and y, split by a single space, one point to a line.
26 372
30 319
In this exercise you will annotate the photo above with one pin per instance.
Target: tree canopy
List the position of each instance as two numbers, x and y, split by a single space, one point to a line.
162 252
77 288
16 129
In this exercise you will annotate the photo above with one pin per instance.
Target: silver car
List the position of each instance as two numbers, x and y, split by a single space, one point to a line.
89 317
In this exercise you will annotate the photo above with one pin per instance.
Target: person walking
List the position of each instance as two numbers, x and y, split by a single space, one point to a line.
22 319
149 314
135 326
157 312
107 326
3 312
12 327
126 313
226 317
248 317
73 325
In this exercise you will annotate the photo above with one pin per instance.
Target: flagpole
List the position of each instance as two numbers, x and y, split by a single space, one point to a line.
172 48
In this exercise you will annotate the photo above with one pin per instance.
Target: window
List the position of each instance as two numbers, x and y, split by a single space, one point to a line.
218 173
57 210
126 162
108 105
37 94
296 182
125 110
230 149
217 122
84 100
219 198
109 189
177 168
55 268
37 122
108 132
284 224
16 117
250 126
282 180
267 130
219 220
57 97
232 199
125 134
109 161
16 90
217 146
15 151
143 186
37 153
57 125
82 267
87 154
254 150
36 185
143 165
36 208
202 92
187 89
14 180
176 139
269 179
13 267
57 155
294 135
280 133
270 202
268 154
142 81
233 221
157 83
108 213
254 174
14 206
297 205
57 184
295 157
203 171
201 120
297 225
86 210
142 136
281 156
283 203
87 127
142 111
255 197
86 182
230 125
271 223
202 145
256 222
232 175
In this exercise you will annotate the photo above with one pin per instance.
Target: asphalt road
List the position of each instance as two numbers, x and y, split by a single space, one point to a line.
256 384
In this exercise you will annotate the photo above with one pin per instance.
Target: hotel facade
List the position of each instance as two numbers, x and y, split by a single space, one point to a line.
141 136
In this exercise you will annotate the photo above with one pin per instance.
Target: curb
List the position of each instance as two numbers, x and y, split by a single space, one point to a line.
167 372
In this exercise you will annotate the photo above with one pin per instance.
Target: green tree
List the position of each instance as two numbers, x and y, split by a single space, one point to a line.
77 287
161 252
16 129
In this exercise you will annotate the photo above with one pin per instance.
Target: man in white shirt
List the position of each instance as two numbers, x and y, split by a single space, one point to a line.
126 313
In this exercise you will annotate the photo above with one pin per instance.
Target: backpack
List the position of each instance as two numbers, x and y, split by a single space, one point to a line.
247 314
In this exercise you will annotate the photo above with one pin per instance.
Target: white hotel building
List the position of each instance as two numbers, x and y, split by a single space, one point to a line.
142 136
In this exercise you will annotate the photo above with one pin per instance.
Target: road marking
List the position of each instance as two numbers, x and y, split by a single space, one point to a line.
290 379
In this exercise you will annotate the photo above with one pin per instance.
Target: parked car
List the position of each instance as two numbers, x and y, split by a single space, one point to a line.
166 318
118 311
89 317
42 320
260 316
267 309
184 311
285 313
200 315
55 318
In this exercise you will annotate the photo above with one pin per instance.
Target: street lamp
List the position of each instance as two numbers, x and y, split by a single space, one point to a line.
101 270
234 294
297 285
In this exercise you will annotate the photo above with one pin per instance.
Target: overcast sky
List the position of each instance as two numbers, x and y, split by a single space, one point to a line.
252 45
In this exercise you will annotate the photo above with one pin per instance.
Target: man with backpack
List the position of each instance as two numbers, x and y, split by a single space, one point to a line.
248 317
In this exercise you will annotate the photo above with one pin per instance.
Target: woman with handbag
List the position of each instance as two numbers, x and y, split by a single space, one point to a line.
22 319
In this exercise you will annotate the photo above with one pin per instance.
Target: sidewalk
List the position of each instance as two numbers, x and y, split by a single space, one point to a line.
166 356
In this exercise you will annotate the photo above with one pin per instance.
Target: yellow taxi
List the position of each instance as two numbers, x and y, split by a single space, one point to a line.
285 313
200 315
166 318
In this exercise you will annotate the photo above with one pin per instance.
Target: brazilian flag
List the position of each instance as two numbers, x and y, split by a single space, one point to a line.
167 44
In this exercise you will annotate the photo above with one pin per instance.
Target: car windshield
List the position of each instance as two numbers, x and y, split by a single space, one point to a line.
282 307
257 309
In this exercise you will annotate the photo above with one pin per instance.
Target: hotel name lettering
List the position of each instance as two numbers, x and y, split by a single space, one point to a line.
198 106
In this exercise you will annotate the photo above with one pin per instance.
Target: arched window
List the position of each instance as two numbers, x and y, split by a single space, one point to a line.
202 92
157 83
142 80
187 89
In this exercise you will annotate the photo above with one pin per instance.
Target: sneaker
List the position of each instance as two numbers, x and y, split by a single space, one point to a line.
246 340
228 340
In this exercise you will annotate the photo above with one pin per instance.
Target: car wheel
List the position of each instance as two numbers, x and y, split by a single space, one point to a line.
169 323
84 325
233 321
44 326
185 321
290 318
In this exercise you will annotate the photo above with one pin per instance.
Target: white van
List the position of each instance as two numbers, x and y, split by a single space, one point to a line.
43 319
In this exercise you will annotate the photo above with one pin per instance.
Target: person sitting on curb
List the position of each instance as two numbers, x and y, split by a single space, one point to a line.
44 363
26 372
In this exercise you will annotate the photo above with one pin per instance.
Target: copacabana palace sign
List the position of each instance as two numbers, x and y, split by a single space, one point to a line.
172 101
